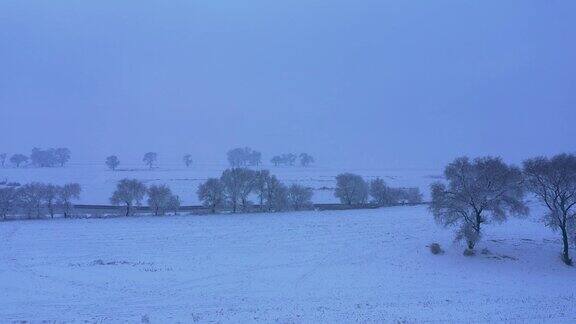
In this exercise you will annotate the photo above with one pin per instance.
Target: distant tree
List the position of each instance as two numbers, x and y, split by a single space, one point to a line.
174 204
49 196
3 159
300 197
150 158
290 158
62 155
381 194
254 158
243 156
129 192
211 194
159 199
276 160
553 182
410 195
238 184
44 158
351 189
261 181
112 162
187 160
8 200
483 191
276 197
18 159
66 195
30 198
306 159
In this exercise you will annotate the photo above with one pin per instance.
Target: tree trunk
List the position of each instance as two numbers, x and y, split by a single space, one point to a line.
565 253
127 210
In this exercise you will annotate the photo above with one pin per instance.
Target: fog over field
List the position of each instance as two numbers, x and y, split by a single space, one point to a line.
358 84
302 161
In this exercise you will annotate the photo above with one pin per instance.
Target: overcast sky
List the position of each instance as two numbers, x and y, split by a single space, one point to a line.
368 83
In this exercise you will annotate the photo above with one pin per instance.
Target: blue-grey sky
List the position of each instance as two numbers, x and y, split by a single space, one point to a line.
370 83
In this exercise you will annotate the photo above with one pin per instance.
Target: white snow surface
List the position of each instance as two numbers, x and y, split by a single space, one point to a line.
307 267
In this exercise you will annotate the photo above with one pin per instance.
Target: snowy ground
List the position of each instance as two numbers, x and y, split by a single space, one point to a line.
326 267
98 182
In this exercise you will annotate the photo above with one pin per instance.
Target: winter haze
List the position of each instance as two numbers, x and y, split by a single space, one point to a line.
363 83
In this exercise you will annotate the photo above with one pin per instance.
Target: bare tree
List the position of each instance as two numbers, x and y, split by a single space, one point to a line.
129 192
8 200
276 160
3 159
62 155
30 198
243 156
187 160
174 204
50 194
410 195
306 159
261 181
150 158
381 194
211 194
66 195
159 199
238 184
112 162
18 159
483 191
553 182
351 189
300 197
276 197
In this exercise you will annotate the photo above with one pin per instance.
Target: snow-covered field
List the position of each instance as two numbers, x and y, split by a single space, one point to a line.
309 267
98 182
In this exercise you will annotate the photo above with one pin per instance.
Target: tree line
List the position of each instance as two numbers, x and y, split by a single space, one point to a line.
44 158
241 157
487 190
35 200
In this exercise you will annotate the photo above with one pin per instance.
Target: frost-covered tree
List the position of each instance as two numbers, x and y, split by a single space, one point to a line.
8 201
18 159
300 197
553 182
187 160
238 184
112 162
261 180
254 158
30 198
290 158
276 160
306 159
243 156
410 195
62 155
49 197
174 204
381 194
66 195
149 159
129 192
351 189
477 192
44 158
159 198
276 195
3 159
211 194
